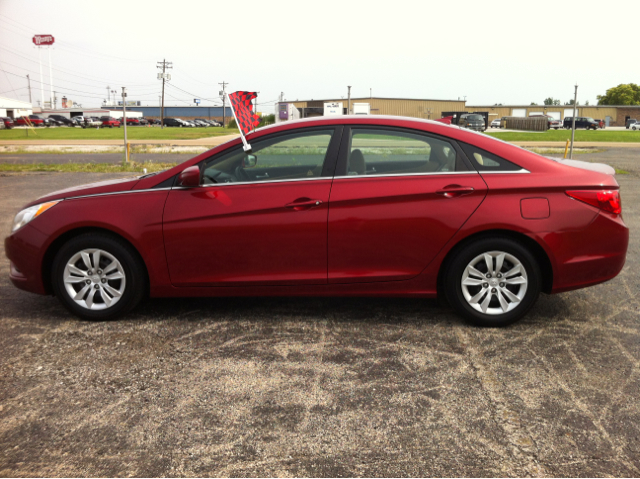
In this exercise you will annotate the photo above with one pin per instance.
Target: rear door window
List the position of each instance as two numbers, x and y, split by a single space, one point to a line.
380 152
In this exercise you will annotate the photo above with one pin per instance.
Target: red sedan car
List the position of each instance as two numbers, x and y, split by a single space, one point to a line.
31 120
353 206
110 121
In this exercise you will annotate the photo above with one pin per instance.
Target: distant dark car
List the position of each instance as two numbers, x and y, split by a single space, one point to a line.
8 122
629 122
110 121
581 122
153 121
143 121
173 122
472 121
62 120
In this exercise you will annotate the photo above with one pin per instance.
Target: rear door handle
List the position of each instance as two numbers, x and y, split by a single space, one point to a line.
453 191
303 204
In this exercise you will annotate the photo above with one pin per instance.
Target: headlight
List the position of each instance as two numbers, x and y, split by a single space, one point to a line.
28 214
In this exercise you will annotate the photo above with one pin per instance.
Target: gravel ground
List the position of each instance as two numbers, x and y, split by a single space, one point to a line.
320 387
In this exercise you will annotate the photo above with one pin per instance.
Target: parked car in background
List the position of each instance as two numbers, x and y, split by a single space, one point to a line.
31 120
110 121
555 124
472 121
93 121
62 120
173 122
7 122
153 121
143 121
630 122
201 123
635 126
483 223
133 122
2 125
495 124
581 122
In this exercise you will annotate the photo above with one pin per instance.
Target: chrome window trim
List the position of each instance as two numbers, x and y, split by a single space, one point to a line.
260 182
503 172
431 173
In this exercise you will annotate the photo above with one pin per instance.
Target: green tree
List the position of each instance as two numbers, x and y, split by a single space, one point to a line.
548 101
623 94
533 103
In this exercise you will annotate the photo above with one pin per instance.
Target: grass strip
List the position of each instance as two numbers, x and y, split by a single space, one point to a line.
133 133
131 167
564 135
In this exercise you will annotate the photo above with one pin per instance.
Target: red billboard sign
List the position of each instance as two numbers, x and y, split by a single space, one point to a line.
43 40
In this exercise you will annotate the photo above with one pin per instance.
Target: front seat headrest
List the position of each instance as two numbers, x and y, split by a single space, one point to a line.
357 163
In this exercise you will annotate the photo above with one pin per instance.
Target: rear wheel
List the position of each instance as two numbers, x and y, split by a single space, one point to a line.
493 281
98 276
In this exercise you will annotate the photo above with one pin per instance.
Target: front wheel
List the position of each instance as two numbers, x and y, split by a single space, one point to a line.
98 276
493 281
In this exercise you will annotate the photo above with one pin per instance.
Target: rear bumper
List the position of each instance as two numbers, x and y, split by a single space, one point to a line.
590 256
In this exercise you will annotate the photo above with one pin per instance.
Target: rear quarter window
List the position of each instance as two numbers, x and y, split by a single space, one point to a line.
482 160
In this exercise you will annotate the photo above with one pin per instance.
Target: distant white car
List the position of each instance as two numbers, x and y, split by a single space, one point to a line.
495 124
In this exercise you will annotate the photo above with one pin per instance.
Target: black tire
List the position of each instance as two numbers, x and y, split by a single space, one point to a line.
456 268
135 273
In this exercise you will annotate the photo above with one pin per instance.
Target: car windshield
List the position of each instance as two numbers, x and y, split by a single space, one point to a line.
590 119
474 117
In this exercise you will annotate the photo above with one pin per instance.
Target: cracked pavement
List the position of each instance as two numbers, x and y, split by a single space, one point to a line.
321 386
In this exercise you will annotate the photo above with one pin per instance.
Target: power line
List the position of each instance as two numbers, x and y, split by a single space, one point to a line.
70 72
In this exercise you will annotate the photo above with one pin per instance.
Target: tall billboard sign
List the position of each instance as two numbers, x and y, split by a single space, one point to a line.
43 40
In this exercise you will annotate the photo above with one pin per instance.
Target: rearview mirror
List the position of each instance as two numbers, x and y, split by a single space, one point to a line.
249 161
190 177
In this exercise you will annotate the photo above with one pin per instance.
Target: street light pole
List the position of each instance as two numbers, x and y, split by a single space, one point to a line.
573 122
124 120
349 100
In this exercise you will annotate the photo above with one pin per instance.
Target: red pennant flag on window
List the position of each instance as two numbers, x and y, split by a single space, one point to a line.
241 104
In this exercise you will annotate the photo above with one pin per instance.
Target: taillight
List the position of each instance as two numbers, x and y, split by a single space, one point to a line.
607 200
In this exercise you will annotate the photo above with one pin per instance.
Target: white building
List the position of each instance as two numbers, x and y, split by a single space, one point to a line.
14 108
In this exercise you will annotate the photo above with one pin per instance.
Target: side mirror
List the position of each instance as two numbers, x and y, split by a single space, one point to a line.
190 177
249 161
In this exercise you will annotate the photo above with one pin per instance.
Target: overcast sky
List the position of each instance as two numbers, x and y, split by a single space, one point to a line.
510 52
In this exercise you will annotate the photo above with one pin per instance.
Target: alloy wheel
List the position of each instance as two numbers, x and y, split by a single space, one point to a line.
94 279
494 282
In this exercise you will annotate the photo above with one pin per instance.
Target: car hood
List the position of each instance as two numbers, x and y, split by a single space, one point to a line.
585 165
101 187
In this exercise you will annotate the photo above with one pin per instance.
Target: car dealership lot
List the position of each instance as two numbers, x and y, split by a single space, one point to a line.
321 387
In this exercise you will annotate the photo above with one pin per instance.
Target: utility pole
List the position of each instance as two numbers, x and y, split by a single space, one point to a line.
29 82
164 64
108 95
53 105
124 120
349 100
41 79
224 103
370 93
573 121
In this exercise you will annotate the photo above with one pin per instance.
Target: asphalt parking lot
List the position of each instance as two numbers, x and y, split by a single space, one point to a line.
321 387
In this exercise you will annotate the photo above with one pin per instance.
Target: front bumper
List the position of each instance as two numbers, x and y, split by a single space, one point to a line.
25 249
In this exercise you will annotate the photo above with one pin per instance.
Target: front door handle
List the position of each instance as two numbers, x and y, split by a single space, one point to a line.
303 204
453 191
